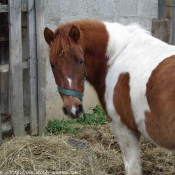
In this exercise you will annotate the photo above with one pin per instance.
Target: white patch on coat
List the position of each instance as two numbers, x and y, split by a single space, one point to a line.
130 146
132 49
73 110
70 82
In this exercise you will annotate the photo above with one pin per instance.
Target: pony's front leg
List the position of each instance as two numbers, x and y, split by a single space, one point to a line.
130 146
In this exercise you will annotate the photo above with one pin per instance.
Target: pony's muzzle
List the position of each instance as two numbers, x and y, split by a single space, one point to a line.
73 112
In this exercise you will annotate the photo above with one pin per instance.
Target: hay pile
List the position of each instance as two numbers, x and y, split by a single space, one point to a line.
89 153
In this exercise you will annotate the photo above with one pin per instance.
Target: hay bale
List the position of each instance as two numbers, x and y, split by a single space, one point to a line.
92 152
51 154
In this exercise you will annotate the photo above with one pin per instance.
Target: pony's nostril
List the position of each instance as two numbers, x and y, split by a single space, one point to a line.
80 108
64 110
77 112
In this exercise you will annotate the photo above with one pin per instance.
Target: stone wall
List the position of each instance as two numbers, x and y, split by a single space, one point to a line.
61 11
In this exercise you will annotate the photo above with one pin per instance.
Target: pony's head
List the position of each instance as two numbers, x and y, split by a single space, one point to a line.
67 63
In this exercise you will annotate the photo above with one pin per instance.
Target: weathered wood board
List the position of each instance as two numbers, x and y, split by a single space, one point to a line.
32 65
161 29
15 55
39 8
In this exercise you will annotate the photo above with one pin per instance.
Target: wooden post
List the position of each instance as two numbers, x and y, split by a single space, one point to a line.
15 55
161 29
41 58
32 68
4 77
0 126
161 9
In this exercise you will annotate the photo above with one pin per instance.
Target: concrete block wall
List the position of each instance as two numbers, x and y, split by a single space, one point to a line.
61 11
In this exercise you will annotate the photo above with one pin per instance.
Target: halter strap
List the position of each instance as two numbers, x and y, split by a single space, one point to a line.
72 93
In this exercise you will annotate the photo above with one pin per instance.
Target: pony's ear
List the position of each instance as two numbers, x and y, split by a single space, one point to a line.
74 33
48 35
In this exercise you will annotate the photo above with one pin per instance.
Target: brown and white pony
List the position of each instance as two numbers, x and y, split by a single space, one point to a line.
132 72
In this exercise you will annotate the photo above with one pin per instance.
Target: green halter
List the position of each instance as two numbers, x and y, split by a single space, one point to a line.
74 93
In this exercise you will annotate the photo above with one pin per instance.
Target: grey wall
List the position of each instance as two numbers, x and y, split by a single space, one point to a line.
61 11
123 11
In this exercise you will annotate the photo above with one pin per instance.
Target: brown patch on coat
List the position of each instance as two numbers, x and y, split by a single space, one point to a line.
122 101
160 92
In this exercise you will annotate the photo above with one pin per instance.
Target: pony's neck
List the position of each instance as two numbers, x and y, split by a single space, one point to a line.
95 45
99 46
103 43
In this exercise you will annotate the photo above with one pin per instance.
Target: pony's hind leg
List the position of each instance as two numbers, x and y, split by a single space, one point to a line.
130 147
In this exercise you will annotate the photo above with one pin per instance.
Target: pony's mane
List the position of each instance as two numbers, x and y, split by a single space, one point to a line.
137 27
137 34
61 42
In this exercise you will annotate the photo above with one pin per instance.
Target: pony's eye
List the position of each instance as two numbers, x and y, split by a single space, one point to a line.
81 62
52 66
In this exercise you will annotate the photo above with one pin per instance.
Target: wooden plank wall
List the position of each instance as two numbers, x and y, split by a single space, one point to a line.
0 127
39 6
13 100
4 75
4 57
32 65
15 56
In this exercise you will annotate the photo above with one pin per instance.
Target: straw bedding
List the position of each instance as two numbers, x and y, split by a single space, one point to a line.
92 152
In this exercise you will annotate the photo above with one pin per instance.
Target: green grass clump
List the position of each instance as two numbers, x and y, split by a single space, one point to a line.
63 126
71 126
